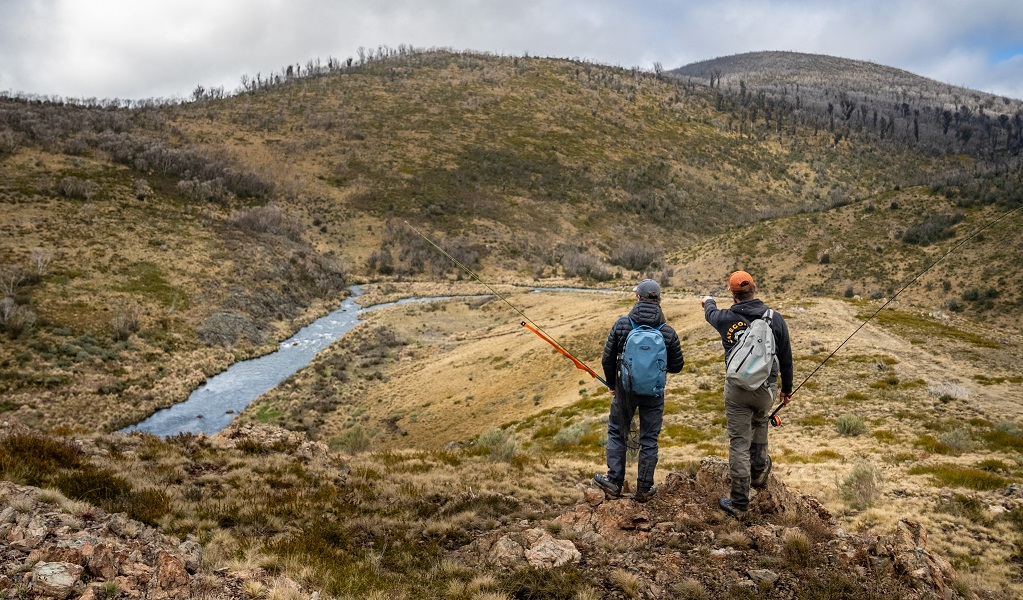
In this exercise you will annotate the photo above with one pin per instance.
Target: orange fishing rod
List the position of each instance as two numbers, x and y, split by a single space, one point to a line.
527 322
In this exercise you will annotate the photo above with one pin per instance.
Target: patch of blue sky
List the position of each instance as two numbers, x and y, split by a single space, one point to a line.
1004 53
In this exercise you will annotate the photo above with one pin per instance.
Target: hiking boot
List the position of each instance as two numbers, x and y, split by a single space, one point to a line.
645 495
611 490
731 508
759 481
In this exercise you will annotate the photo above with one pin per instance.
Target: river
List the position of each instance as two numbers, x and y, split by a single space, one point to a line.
213 405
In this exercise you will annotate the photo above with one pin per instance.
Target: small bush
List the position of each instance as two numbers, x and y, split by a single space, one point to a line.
862 487
570 436
15 319
690 589
934 445
796 548
960 439
948 392
636 257
73 187
625 581
353 441
577 264
851 425
268 219
932 229
126 323
498 444
968 507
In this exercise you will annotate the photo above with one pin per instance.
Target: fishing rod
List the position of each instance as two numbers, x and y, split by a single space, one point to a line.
526 322
776 420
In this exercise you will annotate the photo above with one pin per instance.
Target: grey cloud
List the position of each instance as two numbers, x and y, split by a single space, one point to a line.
150 48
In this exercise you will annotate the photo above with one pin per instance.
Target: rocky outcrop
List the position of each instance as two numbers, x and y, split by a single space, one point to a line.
53 548
681 538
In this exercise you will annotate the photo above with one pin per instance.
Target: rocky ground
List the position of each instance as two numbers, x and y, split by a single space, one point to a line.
678 545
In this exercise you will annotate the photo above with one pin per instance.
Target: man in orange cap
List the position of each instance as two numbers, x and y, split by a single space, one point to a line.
747 411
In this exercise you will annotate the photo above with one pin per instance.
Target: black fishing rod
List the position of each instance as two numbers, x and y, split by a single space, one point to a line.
776 420
527 322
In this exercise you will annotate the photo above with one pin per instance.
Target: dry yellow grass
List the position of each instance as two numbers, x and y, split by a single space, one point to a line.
468 367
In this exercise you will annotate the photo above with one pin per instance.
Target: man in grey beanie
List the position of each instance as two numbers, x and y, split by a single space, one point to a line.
646 311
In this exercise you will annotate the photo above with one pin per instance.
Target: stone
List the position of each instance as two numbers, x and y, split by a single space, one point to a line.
55 580
170 571
551 552
593 496
506 552
193 555
763 576
103 562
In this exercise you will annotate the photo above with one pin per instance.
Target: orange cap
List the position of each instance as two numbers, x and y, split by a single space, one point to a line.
740 281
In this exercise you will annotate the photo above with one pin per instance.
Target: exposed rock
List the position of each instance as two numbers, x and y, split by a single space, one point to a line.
55 579
170 572
545 551
59 555
682 536
506 552
763 576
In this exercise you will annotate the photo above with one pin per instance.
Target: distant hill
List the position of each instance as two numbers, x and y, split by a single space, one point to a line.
852 97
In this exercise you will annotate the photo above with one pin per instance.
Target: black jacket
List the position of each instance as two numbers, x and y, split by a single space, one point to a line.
643 313
729 321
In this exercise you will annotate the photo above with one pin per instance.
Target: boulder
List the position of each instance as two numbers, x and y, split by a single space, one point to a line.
55 579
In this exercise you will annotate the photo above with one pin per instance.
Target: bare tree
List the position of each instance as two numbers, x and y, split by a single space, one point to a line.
41 259
10 279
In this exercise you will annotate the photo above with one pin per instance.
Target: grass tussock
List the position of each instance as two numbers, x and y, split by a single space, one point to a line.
959 476
862 486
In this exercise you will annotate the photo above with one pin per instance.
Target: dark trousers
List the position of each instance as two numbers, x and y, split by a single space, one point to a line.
651 416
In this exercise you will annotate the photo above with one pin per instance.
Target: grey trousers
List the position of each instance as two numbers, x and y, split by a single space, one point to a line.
747 414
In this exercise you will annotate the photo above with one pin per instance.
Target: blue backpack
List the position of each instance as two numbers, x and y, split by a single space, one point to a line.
644 365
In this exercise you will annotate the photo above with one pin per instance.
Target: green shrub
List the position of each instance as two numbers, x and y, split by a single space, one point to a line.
968 507
43 462
932 229
851 425
498 444
885 436
862 487
353 441
931 444
569 436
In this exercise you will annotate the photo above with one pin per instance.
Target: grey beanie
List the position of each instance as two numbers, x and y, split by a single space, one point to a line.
648 290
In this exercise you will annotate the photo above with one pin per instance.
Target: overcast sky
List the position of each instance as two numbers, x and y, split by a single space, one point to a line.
164 48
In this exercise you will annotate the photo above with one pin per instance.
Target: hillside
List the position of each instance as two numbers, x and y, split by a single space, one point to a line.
146 246
178 238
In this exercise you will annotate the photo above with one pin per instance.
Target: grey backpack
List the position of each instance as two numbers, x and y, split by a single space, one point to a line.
753 357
